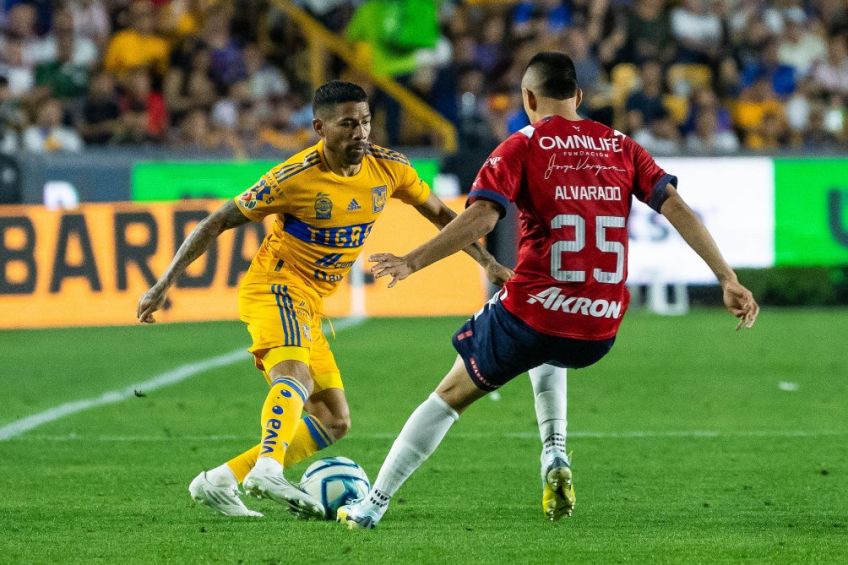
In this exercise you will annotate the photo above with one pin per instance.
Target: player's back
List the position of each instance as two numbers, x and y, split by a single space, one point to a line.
573 183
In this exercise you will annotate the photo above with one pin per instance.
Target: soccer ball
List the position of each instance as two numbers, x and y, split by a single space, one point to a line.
335 481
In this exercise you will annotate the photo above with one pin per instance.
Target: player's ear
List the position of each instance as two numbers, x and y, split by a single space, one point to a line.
318 126
579 95
530 101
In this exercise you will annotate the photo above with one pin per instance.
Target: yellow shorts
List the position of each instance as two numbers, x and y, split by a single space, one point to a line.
284 322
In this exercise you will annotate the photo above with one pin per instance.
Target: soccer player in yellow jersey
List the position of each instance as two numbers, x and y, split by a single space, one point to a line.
326 199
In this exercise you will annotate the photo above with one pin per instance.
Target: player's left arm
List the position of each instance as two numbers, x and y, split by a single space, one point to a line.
475 222
738 299
440 215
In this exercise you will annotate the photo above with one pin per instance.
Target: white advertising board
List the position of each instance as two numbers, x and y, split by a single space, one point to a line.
734 198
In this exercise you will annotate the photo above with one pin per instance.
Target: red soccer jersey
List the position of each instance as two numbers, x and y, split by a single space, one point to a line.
573 183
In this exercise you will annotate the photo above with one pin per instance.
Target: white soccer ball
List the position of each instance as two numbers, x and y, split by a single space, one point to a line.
335 481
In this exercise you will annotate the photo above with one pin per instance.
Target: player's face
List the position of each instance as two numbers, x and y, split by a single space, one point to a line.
345 130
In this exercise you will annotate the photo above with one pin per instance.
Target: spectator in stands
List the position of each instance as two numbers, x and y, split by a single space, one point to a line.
196 132
708 139
698 30
91 20
227 63
799 46
143 115
705 100
101 111
188 84
14 67
831 74
798 108
647 33
586 65
755 114
661 138
138 47
816 136
265 80
225 112
781 77
645 105
61 76
48 134
84 51
10 118
282 130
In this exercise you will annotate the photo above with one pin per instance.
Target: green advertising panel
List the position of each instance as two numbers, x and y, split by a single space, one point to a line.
811 212
158 181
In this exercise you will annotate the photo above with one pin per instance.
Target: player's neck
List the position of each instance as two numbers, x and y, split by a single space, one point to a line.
567 110
339 166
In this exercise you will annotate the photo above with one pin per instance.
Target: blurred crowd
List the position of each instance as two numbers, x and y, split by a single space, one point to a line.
686 76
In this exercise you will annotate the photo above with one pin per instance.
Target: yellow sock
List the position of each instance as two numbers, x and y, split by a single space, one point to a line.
309 437
280 417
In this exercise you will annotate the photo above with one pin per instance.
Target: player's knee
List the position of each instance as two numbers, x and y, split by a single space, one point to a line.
338 426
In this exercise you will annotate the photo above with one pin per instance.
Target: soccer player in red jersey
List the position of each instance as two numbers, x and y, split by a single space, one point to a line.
573 181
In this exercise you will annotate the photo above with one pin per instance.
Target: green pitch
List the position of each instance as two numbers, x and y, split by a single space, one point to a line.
692 444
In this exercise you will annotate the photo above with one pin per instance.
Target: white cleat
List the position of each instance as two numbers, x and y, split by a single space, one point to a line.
224 499
274 486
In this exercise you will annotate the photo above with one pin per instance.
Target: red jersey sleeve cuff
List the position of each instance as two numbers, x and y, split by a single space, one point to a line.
488 194
660 191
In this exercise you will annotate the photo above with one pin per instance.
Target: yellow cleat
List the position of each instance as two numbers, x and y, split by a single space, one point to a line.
347 516
558 493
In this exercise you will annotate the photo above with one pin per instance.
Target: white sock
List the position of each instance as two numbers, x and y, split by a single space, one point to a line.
221 476
550 391
419 438
268 466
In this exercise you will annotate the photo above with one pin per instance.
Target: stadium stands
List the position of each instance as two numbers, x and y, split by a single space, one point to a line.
763 76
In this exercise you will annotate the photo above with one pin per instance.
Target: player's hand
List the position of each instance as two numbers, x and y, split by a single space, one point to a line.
740 302
498 274
388 265
149 302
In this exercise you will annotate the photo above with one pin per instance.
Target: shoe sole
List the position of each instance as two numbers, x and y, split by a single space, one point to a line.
205 502
302 508
559 480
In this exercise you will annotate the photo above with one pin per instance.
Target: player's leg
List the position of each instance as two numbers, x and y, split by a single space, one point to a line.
419 438
291 385
549 390
325 420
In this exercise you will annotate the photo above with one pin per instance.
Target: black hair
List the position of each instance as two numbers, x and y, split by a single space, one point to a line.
336 92
557 77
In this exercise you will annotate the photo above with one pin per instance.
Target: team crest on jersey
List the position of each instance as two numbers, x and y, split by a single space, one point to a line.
378 198
323 206
353 206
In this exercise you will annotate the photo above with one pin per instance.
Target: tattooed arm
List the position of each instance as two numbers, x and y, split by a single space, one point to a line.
226 217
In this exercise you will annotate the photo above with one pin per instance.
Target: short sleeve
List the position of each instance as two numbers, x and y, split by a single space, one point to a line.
502 175
650 181
263 198
410 188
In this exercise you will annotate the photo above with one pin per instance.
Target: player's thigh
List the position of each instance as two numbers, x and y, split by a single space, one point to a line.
279 320
322 362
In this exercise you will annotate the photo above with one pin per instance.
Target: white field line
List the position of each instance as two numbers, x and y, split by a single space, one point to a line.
681 434
161 380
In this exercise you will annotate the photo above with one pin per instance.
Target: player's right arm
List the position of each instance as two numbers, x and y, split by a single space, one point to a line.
738 299
226 217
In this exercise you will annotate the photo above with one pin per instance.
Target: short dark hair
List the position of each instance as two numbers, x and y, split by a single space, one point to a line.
557 77
336 92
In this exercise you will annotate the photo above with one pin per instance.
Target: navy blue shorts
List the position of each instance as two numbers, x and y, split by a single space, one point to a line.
496 347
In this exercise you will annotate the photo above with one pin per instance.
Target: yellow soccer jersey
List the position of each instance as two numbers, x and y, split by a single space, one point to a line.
323 218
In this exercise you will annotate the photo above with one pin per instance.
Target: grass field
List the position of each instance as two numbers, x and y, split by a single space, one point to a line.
687 449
